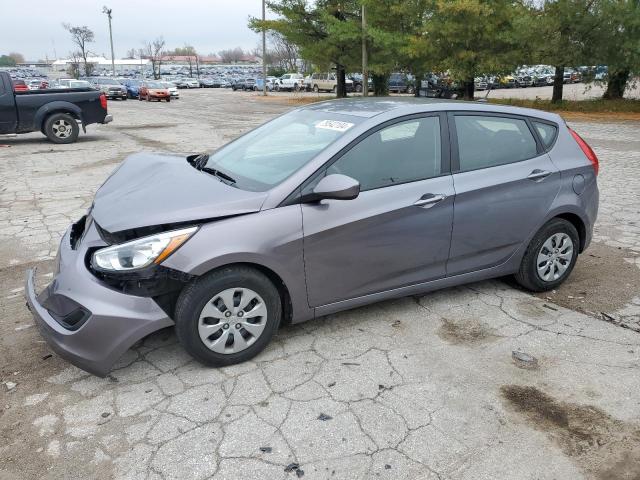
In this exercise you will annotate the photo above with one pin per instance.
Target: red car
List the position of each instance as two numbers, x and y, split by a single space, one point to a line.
20 86
153 90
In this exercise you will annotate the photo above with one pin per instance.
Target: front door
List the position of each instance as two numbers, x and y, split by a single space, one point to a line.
8 117
397 232
504 185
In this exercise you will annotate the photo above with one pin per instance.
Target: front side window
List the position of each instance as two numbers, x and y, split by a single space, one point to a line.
403 152
491 141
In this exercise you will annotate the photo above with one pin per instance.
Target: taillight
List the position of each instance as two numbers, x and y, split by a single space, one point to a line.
588 151
103 100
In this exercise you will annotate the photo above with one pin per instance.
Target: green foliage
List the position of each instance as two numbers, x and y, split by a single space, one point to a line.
7 61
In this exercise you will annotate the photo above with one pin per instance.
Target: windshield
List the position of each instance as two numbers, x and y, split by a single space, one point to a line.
154 85
267 155
79 84
108 81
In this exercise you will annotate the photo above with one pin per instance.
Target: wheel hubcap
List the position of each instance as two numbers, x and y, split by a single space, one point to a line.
554 257
61 128
240 308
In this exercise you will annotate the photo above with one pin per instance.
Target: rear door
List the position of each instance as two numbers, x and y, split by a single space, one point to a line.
504 184
397 231
8 115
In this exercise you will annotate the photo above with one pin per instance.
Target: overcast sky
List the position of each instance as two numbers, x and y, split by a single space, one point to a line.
34 27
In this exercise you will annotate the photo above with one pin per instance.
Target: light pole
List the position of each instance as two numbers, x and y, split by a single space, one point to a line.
108 11
365 61
264 51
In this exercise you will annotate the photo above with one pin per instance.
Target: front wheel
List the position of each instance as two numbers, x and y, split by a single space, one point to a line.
228 316
61 128
550 256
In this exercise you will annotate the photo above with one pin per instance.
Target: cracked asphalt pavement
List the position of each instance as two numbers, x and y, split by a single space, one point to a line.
425 387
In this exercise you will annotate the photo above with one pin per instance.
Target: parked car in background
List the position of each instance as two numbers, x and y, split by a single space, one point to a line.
327 82
401 83
174 93
19 85
244 84
357 80
206 82
506 81
289 82
192 83
154 90
133 87
258 87
57 114
110 87
524 81
480 83
284 225
81 84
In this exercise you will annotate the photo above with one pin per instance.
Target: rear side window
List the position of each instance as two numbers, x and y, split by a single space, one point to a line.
400 153
491 141
547 133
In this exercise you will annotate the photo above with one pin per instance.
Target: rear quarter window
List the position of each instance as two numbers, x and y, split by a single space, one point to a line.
547 133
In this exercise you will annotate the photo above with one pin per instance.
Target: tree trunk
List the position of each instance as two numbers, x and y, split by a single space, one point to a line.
417 83
380 85
558 84
616 85
341 89
468 89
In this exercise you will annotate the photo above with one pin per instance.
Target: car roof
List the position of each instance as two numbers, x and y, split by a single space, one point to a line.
370 107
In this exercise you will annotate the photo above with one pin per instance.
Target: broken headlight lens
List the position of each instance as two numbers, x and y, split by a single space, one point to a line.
142 252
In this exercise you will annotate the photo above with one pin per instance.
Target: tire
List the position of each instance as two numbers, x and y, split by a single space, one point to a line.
358 88
528 275
410 90
316 89
168 99
61 128
200 294
334 89
148 98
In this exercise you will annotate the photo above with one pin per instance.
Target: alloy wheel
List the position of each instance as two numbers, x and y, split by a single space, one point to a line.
232 320
62 128
554 257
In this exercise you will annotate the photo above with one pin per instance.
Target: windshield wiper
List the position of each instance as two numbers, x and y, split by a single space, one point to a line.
219 174
199 162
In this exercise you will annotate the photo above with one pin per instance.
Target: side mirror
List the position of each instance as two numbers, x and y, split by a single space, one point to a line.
334 187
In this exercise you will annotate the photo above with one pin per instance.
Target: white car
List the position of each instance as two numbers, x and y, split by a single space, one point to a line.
173 90
191 83
290 82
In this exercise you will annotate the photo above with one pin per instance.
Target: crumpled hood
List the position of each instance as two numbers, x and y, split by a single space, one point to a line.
153 189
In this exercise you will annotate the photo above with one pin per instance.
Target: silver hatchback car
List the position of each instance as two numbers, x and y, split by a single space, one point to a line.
326 208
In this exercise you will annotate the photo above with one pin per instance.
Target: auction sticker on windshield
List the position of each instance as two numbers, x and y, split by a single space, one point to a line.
334 125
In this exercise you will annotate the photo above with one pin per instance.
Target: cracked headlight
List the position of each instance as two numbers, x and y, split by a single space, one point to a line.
142 252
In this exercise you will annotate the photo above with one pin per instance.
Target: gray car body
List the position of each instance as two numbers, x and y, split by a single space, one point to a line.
326 256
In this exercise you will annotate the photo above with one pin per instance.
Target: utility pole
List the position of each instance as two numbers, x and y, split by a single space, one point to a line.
365 60
264 51
108 11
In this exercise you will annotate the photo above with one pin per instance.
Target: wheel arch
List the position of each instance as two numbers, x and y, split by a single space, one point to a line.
579 224
52 108
274 277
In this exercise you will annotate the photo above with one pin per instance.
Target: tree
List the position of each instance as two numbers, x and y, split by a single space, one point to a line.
327 32
81 37
132 53
619 44
154 51
192 57
232 55
18 57
282 52
570 30
467 38
7 61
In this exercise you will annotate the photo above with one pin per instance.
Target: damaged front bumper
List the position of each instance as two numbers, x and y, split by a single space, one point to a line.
82 319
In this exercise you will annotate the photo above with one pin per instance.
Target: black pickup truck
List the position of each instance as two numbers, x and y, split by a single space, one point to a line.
58 114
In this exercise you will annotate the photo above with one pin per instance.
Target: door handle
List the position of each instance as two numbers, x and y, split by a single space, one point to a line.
538 174
428 200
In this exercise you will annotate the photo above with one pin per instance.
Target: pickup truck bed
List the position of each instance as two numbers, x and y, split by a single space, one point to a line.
56 113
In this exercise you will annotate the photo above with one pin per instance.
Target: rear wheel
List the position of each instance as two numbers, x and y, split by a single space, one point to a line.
228 316
61 128
550 257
